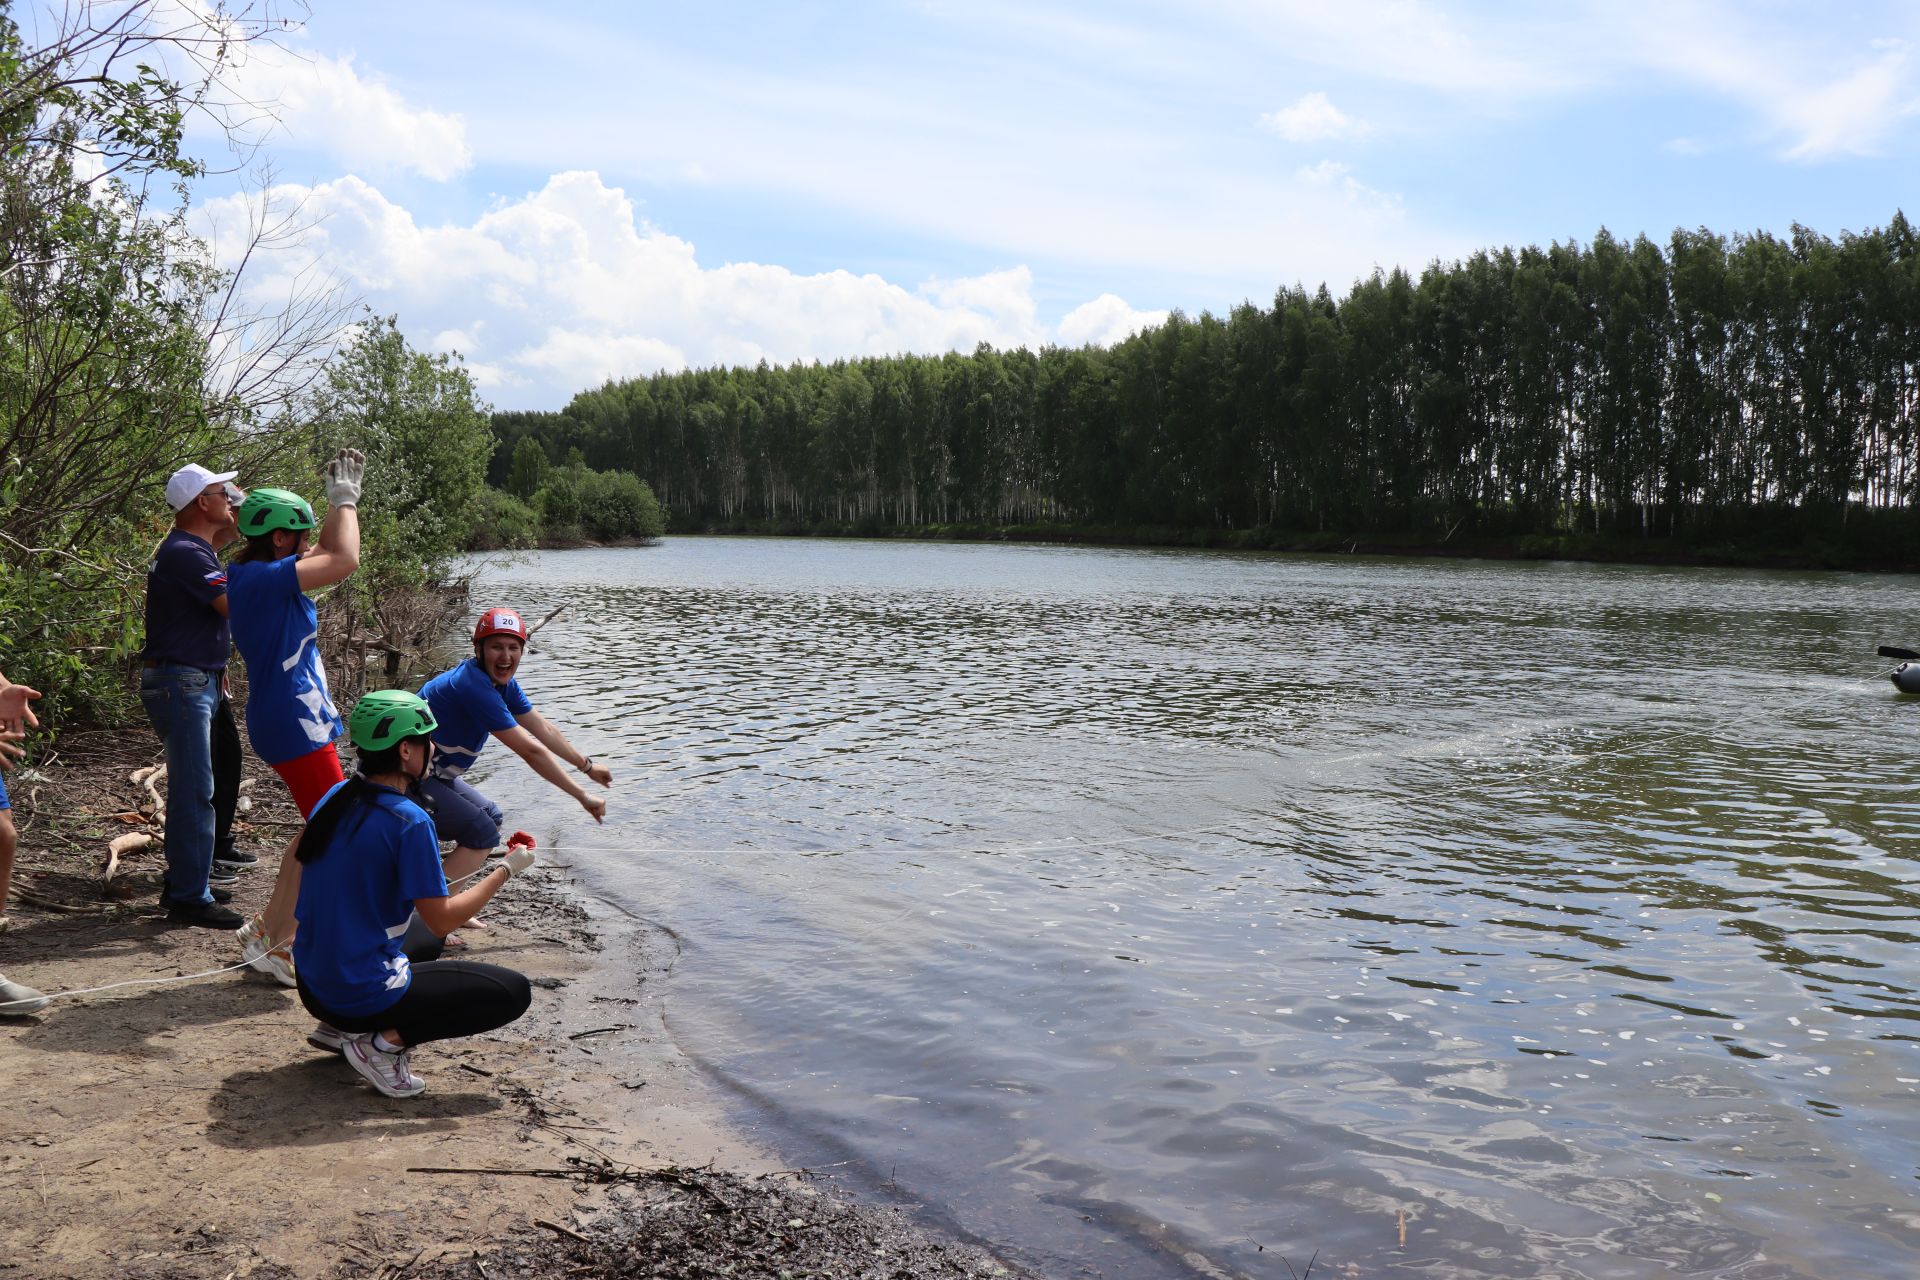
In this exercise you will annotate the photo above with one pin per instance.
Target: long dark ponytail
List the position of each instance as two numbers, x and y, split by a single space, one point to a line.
348 799
258 548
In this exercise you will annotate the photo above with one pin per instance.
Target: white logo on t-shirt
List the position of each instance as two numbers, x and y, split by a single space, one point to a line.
314 697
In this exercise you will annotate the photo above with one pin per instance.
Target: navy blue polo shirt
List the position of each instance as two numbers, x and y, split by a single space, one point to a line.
183 581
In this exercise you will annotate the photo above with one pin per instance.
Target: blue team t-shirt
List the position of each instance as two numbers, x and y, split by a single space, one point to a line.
183 581
355 900
470 707
275 626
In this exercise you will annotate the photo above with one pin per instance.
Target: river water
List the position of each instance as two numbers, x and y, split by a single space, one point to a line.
1179 914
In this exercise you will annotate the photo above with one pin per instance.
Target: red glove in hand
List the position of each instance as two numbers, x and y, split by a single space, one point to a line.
521 840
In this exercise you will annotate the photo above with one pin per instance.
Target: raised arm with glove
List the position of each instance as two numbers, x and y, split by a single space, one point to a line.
345 472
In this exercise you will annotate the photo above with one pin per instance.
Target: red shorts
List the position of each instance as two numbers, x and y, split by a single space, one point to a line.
311 776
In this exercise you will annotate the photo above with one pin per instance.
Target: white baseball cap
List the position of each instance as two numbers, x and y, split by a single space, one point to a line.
190 481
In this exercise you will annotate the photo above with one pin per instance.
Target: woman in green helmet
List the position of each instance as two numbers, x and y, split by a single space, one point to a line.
290 715
370 864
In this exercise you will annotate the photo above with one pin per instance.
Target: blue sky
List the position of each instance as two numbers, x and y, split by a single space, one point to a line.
607 190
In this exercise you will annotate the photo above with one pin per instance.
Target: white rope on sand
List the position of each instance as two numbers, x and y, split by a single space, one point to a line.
130 982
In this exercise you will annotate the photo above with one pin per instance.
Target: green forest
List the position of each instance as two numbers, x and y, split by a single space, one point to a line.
1743 392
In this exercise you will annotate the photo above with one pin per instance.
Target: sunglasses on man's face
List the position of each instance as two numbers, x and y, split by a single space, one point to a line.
232 493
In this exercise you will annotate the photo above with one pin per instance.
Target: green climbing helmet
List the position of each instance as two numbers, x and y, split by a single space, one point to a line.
268 509
384 717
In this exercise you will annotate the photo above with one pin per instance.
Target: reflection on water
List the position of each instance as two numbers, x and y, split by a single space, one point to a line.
1175 913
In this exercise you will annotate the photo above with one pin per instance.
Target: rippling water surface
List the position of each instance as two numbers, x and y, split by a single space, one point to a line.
1173 914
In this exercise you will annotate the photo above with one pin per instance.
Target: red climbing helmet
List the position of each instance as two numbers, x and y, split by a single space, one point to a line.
500 622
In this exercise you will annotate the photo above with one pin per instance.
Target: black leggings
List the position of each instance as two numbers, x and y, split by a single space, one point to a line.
225 742
445 1000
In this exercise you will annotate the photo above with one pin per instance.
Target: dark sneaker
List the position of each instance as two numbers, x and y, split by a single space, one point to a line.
204 915
218 874
234 860
218 893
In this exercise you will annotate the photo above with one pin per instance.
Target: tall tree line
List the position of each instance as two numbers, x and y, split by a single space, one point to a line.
1713 387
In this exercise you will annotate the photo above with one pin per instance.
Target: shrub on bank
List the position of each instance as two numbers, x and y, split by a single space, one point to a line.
501 522
620 505
574 504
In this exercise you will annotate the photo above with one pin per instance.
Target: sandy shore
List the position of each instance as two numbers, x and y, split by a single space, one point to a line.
187 1129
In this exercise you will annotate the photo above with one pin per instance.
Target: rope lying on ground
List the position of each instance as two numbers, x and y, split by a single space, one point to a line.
130 982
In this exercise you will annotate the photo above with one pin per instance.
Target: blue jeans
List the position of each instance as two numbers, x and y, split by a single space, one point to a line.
179 700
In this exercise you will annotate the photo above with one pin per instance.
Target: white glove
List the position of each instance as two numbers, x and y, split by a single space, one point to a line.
517 861
344 474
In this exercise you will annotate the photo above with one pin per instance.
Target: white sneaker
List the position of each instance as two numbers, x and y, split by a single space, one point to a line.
17 999
275 962
387 1072
332 1039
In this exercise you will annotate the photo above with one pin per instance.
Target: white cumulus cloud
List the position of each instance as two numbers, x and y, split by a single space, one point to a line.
567 286
327 105
1105 321
1005 295
1312 119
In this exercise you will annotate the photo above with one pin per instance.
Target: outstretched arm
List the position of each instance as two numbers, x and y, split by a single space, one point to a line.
548 766
553 740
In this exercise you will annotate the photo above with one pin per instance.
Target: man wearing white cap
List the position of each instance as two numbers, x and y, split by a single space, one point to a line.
183 688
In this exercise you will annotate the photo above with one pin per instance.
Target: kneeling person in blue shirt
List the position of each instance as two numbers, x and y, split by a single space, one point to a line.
479 699
368 863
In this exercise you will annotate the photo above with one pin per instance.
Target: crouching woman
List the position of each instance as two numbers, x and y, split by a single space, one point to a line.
368 862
